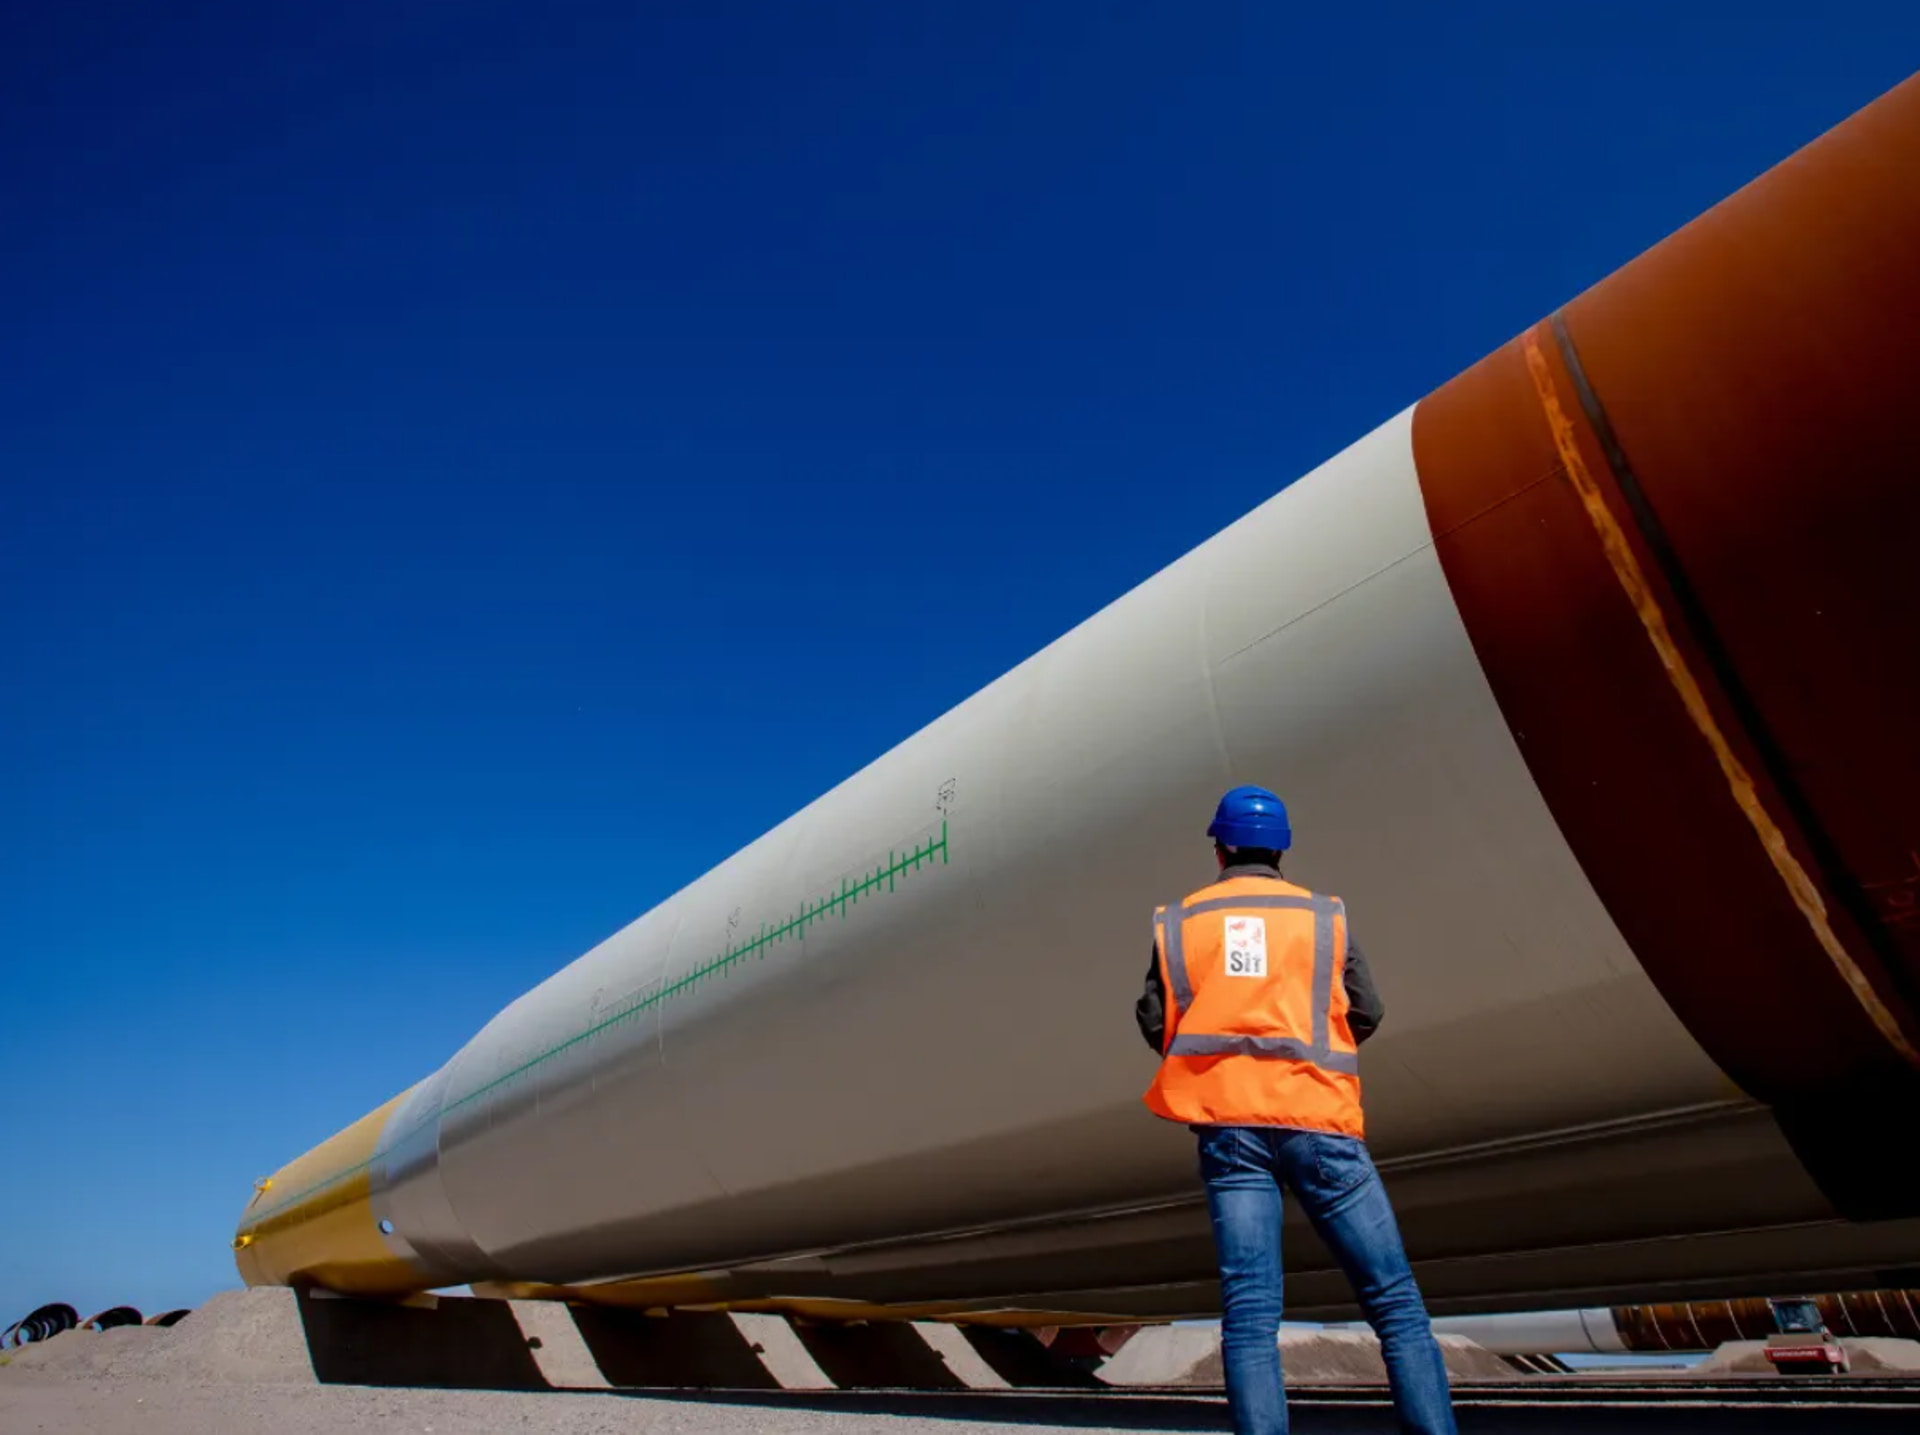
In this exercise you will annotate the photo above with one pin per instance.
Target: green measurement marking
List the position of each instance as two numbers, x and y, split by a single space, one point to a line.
834 904
933 851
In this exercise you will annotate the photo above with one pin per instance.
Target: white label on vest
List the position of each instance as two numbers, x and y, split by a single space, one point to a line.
1246 946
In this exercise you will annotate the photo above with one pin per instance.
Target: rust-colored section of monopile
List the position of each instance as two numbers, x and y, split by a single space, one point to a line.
1760 370
1691 686
1636 792
1656 573
1705 1324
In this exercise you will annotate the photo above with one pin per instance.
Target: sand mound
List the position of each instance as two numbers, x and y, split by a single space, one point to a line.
1870 1355
1162 1355
1875 1355
1307 1356
80 1352
252 1335
1190 1356
238 1335
1467 1359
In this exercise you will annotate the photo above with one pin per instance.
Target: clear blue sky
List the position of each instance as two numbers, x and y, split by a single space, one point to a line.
465 470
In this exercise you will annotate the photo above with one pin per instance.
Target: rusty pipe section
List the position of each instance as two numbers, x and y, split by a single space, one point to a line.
1678 1327
1705 1324
1679 518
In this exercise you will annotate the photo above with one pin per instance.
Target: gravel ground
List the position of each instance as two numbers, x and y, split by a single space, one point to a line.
30 1405
36 1405
240 1364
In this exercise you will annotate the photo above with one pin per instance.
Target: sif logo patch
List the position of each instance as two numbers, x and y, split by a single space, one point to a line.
1246 946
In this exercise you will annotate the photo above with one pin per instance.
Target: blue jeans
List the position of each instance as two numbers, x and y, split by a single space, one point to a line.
1337 1186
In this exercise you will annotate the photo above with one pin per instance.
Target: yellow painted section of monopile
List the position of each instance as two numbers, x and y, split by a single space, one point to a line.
311 1224
701 1293
651 1293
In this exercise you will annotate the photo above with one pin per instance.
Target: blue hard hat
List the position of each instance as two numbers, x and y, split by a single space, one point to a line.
1252 817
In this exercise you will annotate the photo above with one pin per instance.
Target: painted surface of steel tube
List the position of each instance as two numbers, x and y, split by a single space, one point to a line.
1583 680
1542 1332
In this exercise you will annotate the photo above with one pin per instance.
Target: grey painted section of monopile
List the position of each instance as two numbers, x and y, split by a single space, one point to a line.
954 1052
1589 1331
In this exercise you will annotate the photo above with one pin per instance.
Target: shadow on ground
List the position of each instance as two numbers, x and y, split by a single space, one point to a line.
988 1409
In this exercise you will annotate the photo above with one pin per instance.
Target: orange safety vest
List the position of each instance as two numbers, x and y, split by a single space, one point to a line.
1254 971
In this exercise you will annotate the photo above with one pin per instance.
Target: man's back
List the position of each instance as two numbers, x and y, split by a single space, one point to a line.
1258 1034
1365 1010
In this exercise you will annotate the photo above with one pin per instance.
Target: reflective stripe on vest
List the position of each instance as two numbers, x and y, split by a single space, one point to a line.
1284 1047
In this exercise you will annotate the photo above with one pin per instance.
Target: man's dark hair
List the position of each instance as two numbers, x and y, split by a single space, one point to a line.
1247 856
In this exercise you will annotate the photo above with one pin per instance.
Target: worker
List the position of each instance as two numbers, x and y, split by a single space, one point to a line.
1257 1000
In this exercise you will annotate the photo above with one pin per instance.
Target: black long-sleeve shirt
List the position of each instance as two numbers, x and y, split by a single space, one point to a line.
1365 1010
